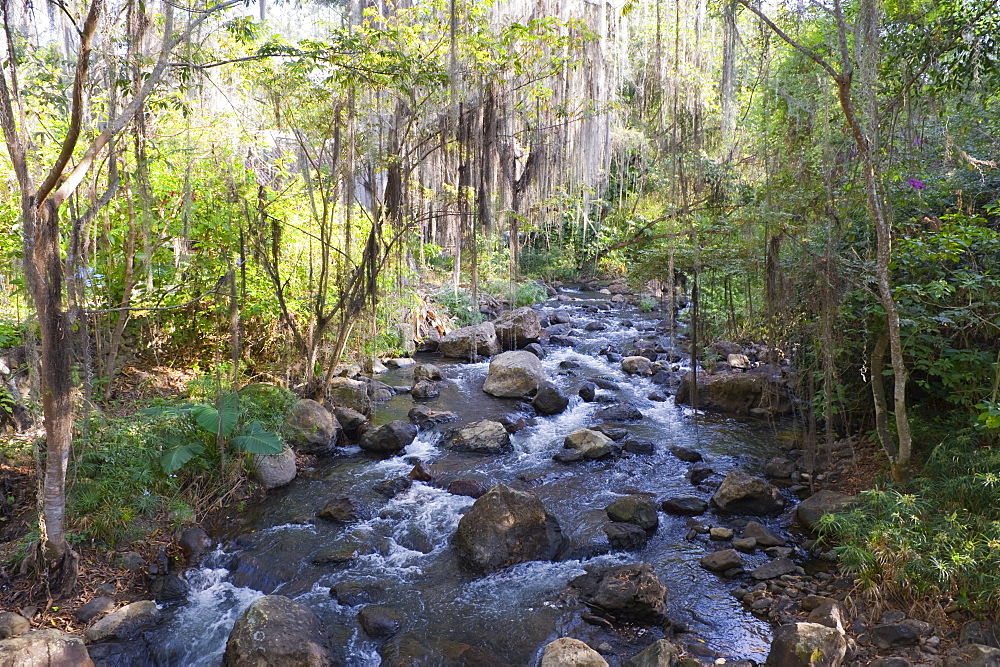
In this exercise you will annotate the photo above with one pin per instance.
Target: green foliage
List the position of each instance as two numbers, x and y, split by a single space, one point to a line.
647 304
942 540
529 294
10 334
216 426
459 305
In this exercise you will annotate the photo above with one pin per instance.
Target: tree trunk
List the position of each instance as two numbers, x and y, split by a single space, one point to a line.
44 274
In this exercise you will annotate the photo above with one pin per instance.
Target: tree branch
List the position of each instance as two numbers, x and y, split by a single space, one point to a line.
805 50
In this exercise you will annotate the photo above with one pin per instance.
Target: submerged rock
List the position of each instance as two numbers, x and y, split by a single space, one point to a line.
506 527
276 630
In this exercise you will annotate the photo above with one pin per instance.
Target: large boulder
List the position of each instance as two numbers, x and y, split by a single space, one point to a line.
124 623
591 444
479 340
623 412
741 493
569 652
517 328
506 527
310 428
276 630
390 438
481 437
274 471
44 648
737 393
513 375
825 501
631 593
426 372
660 654
807 645
351 394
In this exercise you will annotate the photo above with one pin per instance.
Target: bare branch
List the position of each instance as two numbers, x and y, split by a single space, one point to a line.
798 46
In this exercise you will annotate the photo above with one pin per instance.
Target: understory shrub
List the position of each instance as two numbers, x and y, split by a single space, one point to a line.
941 541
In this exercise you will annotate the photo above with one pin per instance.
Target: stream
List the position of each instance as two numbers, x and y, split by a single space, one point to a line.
401 553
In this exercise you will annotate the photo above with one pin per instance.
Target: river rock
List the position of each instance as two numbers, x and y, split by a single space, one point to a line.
891 635
588 391
623 412
764 536
660 654
12 625
390 438
482 437
423 389
624 593
745 544
569 652
168 588
774 569
638 447
272 471
721 560
741 493
124 623
636 509
979 632
699 472
737 393
825 501
310 428
513 375
351 394
478 340
473 488
807 645
974 655
591 444
344 509
637 366
536 350
684 506
506 527
276 630
424 417
391 488
779 468
194 543
354 593
44 648
351 421
549 400
686 454
626 536
517 328
379 621
831 614
427 372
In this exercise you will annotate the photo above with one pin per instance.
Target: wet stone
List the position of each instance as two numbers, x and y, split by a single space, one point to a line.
699 472
684 506
391 488
686 454
626 536
774 569
353 593
380 621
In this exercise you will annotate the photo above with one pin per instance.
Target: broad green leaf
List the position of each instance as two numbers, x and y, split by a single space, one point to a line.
207 416
255 439
173 459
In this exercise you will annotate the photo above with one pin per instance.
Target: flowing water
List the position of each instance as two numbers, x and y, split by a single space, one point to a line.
403 558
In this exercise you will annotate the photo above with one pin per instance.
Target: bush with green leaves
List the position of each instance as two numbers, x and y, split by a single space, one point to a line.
942 540
459 305
221 427
529 294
